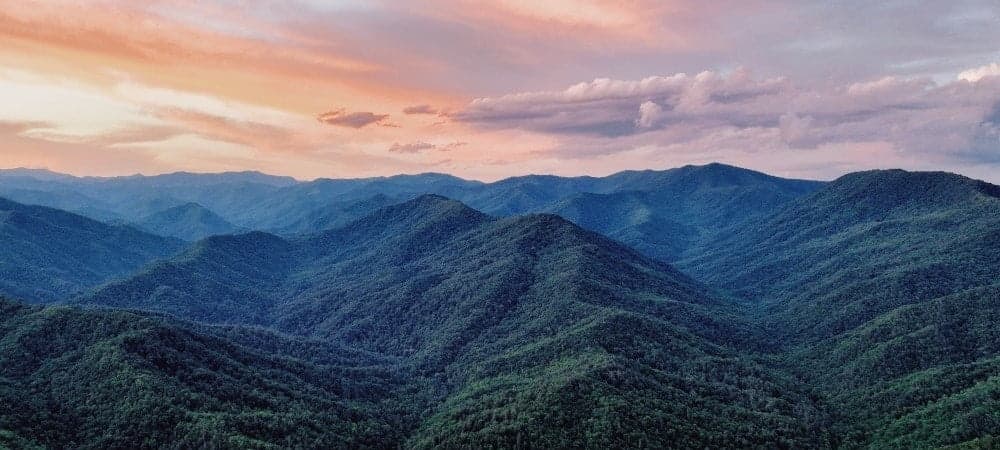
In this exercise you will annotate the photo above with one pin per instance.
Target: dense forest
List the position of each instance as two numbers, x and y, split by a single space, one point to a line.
700 307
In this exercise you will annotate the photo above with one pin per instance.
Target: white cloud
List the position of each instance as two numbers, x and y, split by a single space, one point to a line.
974 75
649 114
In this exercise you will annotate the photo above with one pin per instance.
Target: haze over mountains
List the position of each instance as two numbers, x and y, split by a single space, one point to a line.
703 306
659 212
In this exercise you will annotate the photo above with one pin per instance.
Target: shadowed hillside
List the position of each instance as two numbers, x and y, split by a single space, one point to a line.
50 254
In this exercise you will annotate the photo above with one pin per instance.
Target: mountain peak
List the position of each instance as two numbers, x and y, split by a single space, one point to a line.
896 187
426 214
189 221
38 174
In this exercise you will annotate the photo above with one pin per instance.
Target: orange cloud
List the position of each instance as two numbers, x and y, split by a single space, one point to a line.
342 118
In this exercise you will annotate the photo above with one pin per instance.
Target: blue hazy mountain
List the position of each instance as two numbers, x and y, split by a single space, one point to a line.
48 254
189 222
666 212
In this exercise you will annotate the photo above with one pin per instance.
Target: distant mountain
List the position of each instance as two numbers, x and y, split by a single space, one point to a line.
667 212
111 379
66 200
188 179
529 311
133 198
37 174
189 222
318 202
334 215
50 254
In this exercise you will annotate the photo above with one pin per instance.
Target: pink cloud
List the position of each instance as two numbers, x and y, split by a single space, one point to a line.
361 119
916 116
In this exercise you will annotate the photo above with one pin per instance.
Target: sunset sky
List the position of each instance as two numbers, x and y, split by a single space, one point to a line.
485 90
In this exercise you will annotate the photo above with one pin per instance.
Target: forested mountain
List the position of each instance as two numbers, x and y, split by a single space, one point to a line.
863 245
883 288
661 213
189 222
48 254
528 328
664 214
856 313
114 379
132 199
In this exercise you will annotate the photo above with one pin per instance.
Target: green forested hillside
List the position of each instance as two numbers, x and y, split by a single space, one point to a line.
112 379
521 327
923 374
863 245
882 289
48 254
856 314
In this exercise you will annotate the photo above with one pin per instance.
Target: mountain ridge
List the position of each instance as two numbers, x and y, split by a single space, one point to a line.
50 254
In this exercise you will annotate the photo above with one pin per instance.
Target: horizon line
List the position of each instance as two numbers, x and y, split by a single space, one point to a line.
301 180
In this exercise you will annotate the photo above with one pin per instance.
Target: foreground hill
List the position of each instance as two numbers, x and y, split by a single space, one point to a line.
922 375
525 329
882 287
112 379
50 254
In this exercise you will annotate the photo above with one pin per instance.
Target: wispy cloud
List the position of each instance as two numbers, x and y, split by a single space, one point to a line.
360 119
413 147
420 109
420 147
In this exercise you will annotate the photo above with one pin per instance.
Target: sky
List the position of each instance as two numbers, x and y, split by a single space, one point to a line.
491 89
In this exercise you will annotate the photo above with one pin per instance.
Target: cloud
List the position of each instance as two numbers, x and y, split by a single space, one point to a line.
649 114
420 109
606 107
974 75
361 119
739 112
420 147
414 147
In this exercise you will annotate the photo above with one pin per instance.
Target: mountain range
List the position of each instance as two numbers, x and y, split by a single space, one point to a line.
698 307
660 213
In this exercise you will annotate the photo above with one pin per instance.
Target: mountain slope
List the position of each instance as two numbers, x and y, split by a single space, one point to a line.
221 279
189 222
882 289
665 214
865 244
49 254
334 215
111 379
532 310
